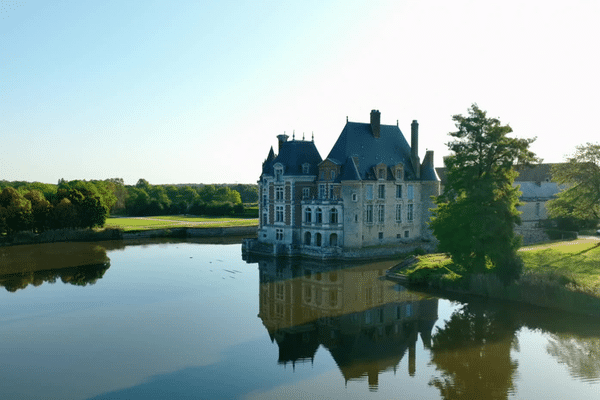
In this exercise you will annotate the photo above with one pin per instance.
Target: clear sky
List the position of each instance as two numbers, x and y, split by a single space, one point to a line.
197 91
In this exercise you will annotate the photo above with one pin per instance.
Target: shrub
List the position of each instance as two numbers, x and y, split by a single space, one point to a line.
557 234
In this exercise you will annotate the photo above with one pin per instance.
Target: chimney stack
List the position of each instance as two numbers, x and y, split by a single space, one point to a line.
414 148
282 139
375 123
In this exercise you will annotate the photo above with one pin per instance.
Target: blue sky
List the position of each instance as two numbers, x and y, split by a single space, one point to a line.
196 91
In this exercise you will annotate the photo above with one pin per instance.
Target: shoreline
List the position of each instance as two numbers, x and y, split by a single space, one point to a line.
90 235
536 287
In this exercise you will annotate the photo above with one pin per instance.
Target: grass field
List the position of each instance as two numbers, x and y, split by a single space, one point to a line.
574 264
176 221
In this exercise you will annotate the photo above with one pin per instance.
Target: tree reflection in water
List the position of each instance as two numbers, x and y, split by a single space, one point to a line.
472 352
78 264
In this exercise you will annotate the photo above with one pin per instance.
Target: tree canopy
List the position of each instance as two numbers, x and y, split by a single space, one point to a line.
475 216
580 177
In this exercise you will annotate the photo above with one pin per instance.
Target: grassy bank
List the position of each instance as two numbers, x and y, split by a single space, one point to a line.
563 275
176 221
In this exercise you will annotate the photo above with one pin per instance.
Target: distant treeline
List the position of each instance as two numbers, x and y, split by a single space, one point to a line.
35 206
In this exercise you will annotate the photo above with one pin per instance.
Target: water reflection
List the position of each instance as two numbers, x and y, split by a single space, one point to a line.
78 264
362 319
473 353
369 325
580 355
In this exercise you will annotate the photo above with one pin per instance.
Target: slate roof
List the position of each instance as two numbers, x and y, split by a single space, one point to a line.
292 155
358 151
357 141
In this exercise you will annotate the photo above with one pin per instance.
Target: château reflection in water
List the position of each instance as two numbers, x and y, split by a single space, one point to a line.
367 323
370 325
78 264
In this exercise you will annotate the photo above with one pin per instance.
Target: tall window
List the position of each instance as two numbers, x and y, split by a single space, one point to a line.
380 213
369 216
398 191
278 234
308 215
278 174
381 173
398 212
278 193
333 216
279 214
322 191
319 216
265 200
381 192
410 192
265 221
409 212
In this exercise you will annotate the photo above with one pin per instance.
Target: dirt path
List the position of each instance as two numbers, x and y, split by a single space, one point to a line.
579 240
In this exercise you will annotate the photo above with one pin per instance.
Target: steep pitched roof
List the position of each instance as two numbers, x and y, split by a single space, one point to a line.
357 143
293 155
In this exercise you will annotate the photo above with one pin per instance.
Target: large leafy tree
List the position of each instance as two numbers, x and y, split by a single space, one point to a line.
475 217
15 212
580 175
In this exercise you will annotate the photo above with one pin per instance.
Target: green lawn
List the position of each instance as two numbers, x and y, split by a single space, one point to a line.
176 221
575 264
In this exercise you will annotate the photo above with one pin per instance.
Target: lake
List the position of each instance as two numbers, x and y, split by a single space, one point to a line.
192 320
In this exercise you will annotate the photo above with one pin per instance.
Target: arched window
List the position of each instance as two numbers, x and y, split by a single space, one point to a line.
319 216
333 216
307 238
318 239
333 240
308 215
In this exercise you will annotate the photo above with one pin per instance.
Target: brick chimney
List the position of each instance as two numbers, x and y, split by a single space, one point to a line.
414 148
375 123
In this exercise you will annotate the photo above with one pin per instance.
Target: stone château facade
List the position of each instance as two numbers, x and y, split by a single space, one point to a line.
370 197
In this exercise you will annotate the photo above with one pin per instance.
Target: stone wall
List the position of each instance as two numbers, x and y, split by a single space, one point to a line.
531 235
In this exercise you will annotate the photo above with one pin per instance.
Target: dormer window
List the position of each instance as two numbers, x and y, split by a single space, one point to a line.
399 172
381 173
305 168
278 173
332 175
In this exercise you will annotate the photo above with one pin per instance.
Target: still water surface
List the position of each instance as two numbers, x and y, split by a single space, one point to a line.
193 320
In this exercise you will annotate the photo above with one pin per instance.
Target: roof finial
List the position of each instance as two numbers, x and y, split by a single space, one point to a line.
313 136
302 135
346 118
294 136
397 123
